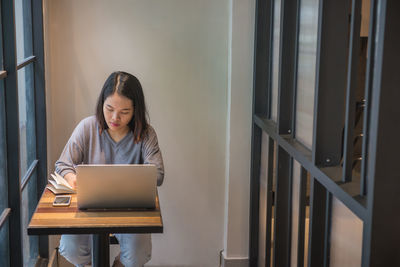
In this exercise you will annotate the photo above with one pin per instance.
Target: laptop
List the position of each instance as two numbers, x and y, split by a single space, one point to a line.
116 186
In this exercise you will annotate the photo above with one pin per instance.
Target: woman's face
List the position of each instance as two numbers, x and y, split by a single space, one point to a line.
118 112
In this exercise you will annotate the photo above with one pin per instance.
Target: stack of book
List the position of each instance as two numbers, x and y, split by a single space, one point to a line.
58 185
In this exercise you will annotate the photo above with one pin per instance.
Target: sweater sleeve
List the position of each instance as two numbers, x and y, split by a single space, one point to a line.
72 154
152 154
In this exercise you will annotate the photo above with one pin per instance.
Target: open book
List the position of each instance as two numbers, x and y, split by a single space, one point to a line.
58 185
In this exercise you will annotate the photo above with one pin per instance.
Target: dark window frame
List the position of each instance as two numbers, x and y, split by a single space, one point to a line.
39 165
368 198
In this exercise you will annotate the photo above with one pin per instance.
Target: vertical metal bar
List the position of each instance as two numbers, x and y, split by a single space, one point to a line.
368 88
261 77
270 56
262 52
282 233
286 82
352 76
327 231
100 250
330 82
254 195
40 109
287 73
12 131
316 244
302 217
381 236
271 147
295 71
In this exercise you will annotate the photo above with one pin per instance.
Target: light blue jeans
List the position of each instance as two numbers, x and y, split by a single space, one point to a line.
135 249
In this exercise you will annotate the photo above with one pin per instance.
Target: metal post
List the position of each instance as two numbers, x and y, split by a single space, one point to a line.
100 250
12 131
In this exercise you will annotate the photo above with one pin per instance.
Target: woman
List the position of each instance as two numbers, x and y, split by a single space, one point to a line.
118 134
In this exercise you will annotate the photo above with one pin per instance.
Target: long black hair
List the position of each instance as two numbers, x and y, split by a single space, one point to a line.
126 85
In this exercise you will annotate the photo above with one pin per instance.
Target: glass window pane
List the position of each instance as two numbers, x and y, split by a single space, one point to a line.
263 200
26 107
346 236
307 55
307 223
275 59
297 184
30 244
23 25
295 212
365 10
4 246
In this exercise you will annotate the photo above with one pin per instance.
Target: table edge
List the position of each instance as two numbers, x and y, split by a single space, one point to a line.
88 230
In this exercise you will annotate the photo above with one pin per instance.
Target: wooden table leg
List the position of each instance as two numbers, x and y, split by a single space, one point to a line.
100 250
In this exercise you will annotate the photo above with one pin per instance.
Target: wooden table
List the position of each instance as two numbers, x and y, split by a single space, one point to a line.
49 220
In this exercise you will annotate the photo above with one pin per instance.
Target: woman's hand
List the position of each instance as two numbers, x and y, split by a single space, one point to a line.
71 179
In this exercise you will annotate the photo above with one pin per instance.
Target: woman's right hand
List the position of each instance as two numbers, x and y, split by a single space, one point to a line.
71 179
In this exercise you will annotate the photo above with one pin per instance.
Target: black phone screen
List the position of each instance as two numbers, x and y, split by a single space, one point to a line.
61 200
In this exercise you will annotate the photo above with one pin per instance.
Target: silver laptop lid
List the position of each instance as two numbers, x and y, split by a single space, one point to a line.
116 186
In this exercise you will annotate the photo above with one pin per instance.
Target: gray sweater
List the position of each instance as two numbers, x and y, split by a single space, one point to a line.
87 146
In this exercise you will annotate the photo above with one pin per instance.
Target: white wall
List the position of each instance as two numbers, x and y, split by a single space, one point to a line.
180 50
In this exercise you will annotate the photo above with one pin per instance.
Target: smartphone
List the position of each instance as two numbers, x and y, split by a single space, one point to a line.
62 201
